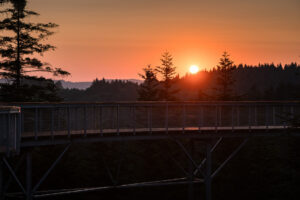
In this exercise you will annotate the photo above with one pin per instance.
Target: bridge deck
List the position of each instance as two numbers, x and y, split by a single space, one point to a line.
62 137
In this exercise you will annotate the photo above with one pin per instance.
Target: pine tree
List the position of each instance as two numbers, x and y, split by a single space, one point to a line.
148 90
23 41
168 73
225 79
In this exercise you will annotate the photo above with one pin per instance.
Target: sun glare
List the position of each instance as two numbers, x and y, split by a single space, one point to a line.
194 69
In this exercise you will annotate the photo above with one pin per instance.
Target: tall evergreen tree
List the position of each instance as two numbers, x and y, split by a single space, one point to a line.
168 73
225 79
18 49
148 90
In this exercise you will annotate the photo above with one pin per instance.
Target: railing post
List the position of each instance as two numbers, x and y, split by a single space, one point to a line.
36 123
167 118
255 115
134 119
52 122
216 119
220 116
69 121
100 120
118 125
149 112
232 117
238 115
274 115
267 117
183 118
249 117
85 120
200 119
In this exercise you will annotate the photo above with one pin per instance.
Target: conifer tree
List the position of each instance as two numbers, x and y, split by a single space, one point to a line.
18 48
168 73
225 79
148 90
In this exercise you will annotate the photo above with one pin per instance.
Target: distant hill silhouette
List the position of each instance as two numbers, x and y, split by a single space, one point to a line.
84 85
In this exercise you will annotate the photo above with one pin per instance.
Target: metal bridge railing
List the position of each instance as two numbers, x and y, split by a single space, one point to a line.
43 119
9 129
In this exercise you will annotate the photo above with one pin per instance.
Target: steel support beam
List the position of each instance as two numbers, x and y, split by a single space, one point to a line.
191 174
208 178
28 175
1 180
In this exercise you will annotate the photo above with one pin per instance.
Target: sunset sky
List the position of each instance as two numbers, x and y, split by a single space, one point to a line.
117 38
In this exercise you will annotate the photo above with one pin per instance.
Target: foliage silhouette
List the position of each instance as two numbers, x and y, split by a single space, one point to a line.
168 73
225 79
18 47
148 90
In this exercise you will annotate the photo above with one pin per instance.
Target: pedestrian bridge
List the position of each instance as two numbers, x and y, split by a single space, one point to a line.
39 124
58 123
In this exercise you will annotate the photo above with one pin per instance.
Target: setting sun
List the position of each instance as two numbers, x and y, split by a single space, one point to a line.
194 69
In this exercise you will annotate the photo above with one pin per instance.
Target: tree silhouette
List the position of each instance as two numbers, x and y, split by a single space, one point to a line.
148 90
168 73
18 47
225 79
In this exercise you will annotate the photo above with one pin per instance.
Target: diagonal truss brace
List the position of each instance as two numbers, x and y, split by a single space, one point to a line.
229 157
187 154
50 169
14 175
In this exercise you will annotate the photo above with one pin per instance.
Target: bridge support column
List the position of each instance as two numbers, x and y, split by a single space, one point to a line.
28 175
208 178
1 180
191 173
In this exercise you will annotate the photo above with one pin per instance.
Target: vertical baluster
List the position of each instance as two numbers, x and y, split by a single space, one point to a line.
274 115
151 116
216 118
85 120
292 112
100 120
267 117
232 118
69 121
118 125
255 115
149 111
200 119
52 122
167 117
249 117
8 139
183 117
36 122
286 115
238 115
22 120
134 119
220 116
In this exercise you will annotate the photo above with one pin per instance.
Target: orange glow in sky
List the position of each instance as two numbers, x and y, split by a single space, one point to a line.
117 38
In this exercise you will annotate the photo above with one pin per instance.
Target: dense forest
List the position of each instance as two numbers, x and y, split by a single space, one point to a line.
262 82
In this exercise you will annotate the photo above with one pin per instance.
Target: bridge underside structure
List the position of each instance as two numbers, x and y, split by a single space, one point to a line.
43 124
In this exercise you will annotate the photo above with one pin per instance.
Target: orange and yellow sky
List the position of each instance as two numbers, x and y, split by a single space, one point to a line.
117 38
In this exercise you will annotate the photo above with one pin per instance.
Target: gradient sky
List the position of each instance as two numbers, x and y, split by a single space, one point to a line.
117 38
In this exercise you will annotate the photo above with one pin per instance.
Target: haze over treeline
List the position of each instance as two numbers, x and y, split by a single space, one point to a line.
262 82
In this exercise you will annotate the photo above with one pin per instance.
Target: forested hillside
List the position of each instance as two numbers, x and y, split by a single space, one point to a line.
262 82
